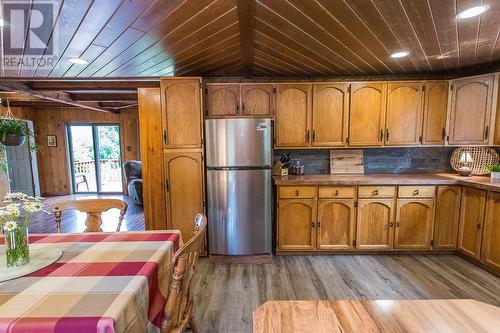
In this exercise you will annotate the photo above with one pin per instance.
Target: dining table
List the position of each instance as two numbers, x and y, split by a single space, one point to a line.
103 282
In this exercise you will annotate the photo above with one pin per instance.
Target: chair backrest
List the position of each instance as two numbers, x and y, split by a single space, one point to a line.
133 170
178 310
93 208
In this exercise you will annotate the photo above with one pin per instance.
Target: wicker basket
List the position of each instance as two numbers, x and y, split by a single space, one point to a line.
482 156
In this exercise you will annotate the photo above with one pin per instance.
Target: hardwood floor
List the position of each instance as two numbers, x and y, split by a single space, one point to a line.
226 295
73 221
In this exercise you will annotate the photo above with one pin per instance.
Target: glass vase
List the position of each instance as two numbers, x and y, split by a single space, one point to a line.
17 248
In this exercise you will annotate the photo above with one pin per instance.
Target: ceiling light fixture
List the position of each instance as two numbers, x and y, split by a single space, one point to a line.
400 54
78 61
473 11
2 23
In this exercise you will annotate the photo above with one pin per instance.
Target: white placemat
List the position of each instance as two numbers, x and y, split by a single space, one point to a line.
39 258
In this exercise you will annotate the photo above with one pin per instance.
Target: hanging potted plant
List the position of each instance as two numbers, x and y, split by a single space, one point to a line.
13 132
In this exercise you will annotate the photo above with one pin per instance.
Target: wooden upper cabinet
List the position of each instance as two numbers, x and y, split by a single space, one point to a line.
336 221
435 109
446 217
471 221
222 100
414 221
297 224
491 236
257 100
184 187
330 114
182 113
293 109
471 110
375 226
404 113
367 114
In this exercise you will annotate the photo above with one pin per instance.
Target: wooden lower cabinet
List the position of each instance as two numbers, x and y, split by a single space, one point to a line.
446 217
471 222
336 224
491 233
297 224
375 223
184 189
414 221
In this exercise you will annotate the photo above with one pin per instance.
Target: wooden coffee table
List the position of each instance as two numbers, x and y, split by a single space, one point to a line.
376 316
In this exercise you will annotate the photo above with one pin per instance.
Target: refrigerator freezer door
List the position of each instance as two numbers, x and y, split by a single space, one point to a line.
238 142
239 211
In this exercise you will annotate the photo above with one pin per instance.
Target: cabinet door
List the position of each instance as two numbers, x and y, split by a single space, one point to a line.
375 226
413 228
404 113
491 236
223 100
367 114
151 135
184 175
330 115
471 221
181 113
471 111
435 108
446 217
293 109
297 224
257 99
336 220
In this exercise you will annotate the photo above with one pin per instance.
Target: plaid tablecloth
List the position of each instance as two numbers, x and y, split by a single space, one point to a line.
104 282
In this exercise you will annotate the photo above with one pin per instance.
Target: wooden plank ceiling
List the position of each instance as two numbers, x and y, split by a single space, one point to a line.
295 38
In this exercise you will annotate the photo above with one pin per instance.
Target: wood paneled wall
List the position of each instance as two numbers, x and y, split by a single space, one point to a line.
53 161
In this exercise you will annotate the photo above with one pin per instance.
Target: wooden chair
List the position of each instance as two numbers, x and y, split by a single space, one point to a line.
93 208
179 307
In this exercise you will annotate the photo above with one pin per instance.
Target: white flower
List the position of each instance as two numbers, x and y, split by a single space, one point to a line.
10 225
32 207
12 209
3 212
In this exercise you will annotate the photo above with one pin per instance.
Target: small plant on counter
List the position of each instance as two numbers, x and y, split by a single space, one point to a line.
495 170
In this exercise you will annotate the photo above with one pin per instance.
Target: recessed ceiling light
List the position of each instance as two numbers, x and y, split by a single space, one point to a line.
78 61
473 11
400 54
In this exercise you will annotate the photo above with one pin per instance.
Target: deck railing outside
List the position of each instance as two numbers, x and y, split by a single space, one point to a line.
111 174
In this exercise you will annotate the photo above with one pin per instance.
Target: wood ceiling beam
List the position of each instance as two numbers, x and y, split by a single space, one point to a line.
246 17
104 97
122 84
54 96
35 104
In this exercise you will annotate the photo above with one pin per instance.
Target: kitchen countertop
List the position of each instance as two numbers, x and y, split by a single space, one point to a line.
481 182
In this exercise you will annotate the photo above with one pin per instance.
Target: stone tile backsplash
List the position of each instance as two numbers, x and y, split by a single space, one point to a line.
380 160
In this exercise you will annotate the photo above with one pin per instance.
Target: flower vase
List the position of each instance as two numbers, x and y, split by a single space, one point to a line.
17 248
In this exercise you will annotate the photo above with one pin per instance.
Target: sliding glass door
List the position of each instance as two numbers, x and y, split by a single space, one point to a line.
95 158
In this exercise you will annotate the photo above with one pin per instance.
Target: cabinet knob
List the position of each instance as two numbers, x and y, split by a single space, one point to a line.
391 225
416 192
296 192
312 224
478 226
397 224
336 192
375 192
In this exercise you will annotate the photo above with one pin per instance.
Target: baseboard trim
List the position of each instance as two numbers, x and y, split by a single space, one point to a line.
250 259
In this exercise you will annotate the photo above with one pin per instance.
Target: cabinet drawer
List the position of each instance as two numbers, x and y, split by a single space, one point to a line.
297 192
337 192
376 191
416 191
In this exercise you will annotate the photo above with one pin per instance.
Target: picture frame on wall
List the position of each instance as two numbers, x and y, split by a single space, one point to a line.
51 141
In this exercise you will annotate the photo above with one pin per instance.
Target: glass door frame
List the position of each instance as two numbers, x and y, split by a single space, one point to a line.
95 139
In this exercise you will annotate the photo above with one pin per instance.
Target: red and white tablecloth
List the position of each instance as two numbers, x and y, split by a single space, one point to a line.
104 282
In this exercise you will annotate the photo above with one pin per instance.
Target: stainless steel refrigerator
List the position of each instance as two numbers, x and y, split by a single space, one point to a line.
239 193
